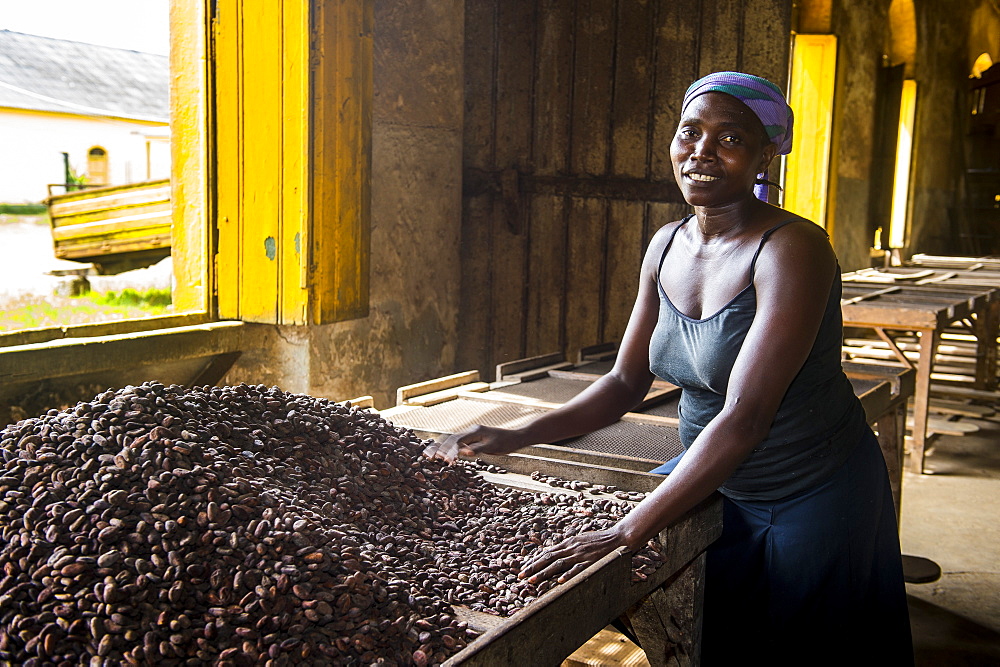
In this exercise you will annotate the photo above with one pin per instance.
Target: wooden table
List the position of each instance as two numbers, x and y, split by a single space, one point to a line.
926 309
985 264
664 610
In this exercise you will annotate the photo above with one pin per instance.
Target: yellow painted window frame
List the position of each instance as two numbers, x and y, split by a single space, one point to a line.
811 90
292 102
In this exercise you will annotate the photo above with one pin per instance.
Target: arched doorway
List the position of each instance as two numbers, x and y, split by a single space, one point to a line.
97 166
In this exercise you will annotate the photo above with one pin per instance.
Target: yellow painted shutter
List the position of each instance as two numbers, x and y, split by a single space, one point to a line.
292 124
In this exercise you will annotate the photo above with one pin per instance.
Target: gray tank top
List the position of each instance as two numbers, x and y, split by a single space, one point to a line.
819 420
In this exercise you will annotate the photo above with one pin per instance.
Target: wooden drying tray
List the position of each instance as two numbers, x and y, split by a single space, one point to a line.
446 405
933 279
984 264
884 391
879 388
667 604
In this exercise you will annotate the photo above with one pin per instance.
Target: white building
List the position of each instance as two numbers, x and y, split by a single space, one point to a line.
69 109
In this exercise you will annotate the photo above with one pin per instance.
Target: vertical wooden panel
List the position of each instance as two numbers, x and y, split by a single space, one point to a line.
547 288
515 71
625 246
553 86
592 87
585 268
767 35
553 92
475 351
293 159
227 162
591 129
261 191
632 88
189 107
807 168
341 130
630 151
676 67
721 36
294 162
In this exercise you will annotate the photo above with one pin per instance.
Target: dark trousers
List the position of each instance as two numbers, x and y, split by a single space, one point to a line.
812 579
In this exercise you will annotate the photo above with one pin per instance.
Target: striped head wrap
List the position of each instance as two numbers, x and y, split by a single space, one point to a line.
762 97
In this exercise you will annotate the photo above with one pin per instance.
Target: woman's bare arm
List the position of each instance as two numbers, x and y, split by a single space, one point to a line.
792 280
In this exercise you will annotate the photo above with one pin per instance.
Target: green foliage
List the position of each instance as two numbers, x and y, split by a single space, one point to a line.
32 312
151 298
75 181
24 209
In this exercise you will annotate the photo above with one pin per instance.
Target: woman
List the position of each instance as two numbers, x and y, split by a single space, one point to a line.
739 304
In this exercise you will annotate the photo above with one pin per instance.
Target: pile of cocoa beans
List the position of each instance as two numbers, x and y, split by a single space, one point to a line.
245 525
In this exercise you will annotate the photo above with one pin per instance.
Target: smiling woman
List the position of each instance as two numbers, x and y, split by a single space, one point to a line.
739 305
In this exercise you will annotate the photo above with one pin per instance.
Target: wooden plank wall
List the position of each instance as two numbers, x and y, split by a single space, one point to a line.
570 109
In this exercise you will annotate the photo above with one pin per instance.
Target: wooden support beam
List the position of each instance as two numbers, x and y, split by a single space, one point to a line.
76 356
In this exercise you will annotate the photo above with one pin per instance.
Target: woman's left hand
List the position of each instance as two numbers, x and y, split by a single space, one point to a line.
571 556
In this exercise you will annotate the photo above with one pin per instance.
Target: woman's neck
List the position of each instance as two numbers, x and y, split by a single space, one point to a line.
727 220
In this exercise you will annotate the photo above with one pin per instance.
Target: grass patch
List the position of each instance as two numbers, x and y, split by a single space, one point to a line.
54 311
24 209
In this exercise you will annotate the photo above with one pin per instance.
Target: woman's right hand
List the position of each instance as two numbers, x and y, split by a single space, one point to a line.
476 440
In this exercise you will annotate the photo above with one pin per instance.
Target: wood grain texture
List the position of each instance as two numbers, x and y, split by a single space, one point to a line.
632 88
547 268
720 46
624 260
475 349
573 105
675 67
592 87
260 160
514 73
584 279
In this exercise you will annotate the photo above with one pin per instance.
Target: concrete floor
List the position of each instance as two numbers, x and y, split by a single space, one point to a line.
951 515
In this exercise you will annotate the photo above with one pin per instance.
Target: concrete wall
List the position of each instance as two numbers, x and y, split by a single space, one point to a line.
862 37
946 32
411 330
33 143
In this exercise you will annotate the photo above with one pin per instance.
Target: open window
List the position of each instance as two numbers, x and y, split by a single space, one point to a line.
807 167
269 191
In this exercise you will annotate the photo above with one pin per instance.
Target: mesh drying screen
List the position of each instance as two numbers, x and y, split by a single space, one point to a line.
553 390
646 441
458 413
595 367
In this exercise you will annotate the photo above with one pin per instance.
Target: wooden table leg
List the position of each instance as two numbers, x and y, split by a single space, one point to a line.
667 622
921 397
985 329
891 438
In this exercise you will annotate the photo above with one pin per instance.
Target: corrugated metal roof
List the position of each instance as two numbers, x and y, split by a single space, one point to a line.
46 74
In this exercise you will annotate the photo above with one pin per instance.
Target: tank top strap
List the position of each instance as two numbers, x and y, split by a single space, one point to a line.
763 239
670 241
